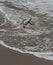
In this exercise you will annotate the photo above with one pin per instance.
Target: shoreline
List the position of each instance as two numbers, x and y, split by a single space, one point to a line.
10 57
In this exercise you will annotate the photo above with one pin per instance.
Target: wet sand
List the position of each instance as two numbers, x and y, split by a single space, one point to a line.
10 57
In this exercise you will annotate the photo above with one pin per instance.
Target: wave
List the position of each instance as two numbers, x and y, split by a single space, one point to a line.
45 55
36 39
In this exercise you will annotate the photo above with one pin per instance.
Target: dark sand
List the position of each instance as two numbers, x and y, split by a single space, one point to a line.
10 57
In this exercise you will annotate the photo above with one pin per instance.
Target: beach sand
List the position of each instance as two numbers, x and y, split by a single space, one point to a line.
10 57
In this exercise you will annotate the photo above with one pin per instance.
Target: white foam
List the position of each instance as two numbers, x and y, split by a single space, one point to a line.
33 32
3 44
45 55
1 9
28 4
3 30
9 17
2 0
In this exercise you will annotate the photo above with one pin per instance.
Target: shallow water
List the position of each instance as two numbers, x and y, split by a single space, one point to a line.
36 39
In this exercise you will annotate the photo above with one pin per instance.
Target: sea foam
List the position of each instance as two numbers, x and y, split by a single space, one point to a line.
45 55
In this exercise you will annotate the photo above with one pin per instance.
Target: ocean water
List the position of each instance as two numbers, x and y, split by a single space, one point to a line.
36 39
